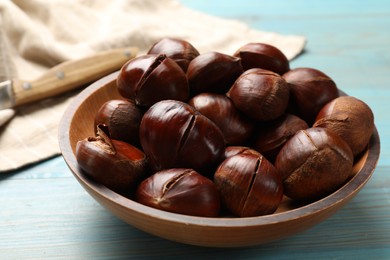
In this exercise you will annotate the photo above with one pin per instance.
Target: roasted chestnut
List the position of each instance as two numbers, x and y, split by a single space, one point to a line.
116 164
236 149
181 191
174 135
181 51
260 94
263 56
122 118
213 72
269 138
350 118
249 185
314 163
310 90
209 134
148 79
235 128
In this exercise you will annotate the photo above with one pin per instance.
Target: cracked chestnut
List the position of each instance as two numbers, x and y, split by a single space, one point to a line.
173 134
150 78
314 163
235 128
350 118
213 72
181 191
249 185
236 149
263 56
122 119
181 51
270 137
115 164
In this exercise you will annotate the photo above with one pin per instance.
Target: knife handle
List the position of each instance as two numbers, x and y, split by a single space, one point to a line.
70 75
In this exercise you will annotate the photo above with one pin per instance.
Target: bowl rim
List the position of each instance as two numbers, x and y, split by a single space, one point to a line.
347 191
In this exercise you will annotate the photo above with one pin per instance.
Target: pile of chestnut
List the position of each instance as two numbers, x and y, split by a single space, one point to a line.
214 134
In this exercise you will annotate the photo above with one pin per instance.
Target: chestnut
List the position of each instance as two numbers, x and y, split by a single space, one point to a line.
310 90
235 128
174 135
269 138
181 51
213 72
115 164
260 94
350 118
263 56
148 79
249 185
182 191
314 163
122 118
237 149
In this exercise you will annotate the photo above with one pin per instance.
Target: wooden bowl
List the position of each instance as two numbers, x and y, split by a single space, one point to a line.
290 218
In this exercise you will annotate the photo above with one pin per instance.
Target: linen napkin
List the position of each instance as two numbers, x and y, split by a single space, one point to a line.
43 33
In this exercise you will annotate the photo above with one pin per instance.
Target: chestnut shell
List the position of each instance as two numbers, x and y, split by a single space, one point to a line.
181 191
314 163
174 135
263 56
122 119
148 79
310 90
116 164
235 127
213 72
249 185
260 94
269 138
181 51
350 118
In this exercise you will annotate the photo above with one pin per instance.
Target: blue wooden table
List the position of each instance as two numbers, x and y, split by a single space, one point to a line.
45 213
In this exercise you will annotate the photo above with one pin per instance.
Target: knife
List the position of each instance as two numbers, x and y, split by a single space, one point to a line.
62 78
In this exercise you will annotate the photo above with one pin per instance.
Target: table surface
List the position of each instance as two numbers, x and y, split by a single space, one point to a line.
45 213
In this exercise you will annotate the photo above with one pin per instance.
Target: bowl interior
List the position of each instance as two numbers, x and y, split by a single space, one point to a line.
290 218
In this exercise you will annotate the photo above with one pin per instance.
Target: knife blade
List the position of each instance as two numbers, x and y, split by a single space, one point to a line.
63 77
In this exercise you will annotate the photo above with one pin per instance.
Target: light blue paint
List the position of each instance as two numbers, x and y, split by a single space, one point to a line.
44 212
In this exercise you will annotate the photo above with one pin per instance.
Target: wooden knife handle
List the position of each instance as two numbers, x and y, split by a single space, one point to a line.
70 75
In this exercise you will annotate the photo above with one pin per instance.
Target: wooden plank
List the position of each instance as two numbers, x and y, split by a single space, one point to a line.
56 217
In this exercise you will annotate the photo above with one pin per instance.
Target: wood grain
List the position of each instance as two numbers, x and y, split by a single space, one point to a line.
70 74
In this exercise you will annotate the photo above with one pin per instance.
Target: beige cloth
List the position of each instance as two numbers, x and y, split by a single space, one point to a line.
43 33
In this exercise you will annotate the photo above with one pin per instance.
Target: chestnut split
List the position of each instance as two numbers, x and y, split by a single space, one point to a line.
263 56
213 72
235 127
173 134
350 118
181 51
122 118
269 138
151 78
181 191
249 185
314 163
115 164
